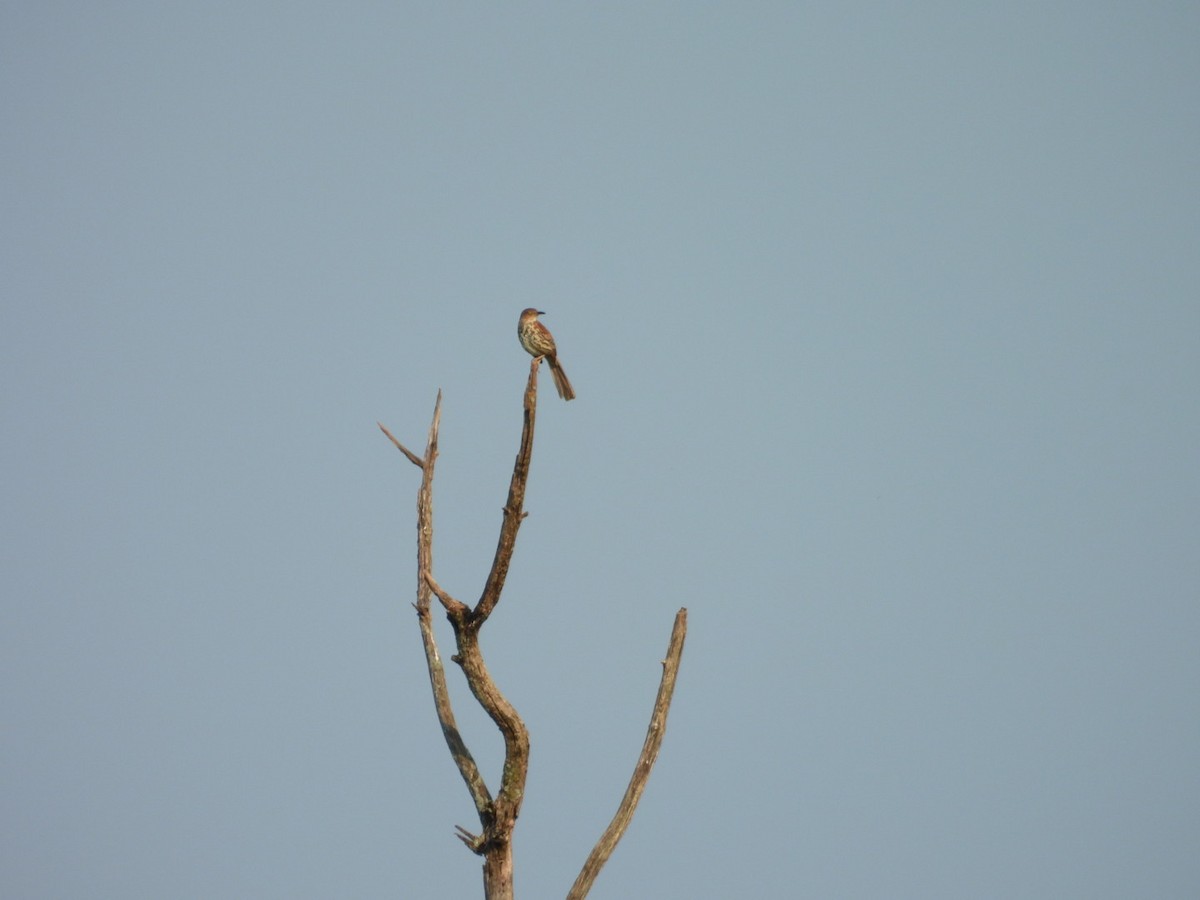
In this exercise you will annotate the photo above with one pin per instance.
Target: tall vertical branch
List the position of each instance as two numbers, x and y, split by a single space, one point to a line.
513 508
466 631
467 766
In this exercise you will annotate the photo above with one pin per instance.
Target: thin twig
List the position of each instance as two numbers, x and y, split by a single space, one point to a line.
412 457
473 841
641 772
447 601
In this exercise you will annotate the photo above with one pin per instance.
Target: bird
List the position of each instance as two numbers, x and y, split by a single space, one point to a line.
539 343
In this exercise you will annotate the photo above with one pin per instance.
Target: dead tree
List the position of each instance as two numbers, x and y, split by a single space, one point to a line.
498 814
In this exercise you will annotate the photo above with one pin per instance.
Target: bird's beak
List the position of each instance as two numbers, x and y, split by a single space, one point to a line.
541 312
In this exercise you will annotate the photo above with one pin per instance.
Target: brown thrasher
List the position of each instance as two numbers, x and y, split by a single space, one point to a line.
539 343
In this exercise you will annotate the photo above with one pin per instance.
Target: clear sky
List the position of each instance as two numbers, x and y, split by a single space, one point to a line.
885 327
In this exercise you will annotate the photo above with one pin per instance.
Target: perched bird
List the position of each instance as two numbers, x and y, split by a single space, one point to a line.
539 343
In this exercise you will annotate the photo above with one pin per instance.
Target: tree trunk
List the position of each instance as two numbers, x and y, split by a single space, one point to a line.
498 872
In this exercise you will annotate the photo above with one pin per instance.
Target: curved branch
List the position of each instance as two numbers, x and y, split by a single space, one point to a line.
497 830
641 772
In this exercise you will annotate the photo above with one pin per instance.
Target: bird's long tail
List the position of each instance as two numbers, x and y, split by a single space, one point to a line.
561 381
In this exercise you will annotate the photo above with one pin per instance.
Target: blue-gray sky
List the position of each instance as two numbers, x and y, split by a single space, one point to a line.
885 327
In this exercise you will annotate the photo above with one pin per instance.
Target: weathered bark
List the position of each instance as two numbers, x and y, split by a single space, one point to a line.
641 772
498 815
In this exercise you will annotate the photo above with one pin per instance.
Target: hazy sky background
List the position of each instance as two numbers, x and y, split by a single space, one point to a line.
885 327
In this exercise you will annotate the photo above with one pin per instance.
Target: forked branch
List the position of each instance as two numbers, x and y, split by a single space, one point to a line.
498 816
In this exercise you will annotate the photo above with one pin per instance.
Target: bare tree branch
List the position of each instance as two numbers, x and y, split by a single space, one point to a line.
467 766
449 602
497 833
641 772
513 514
498 816
412 457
